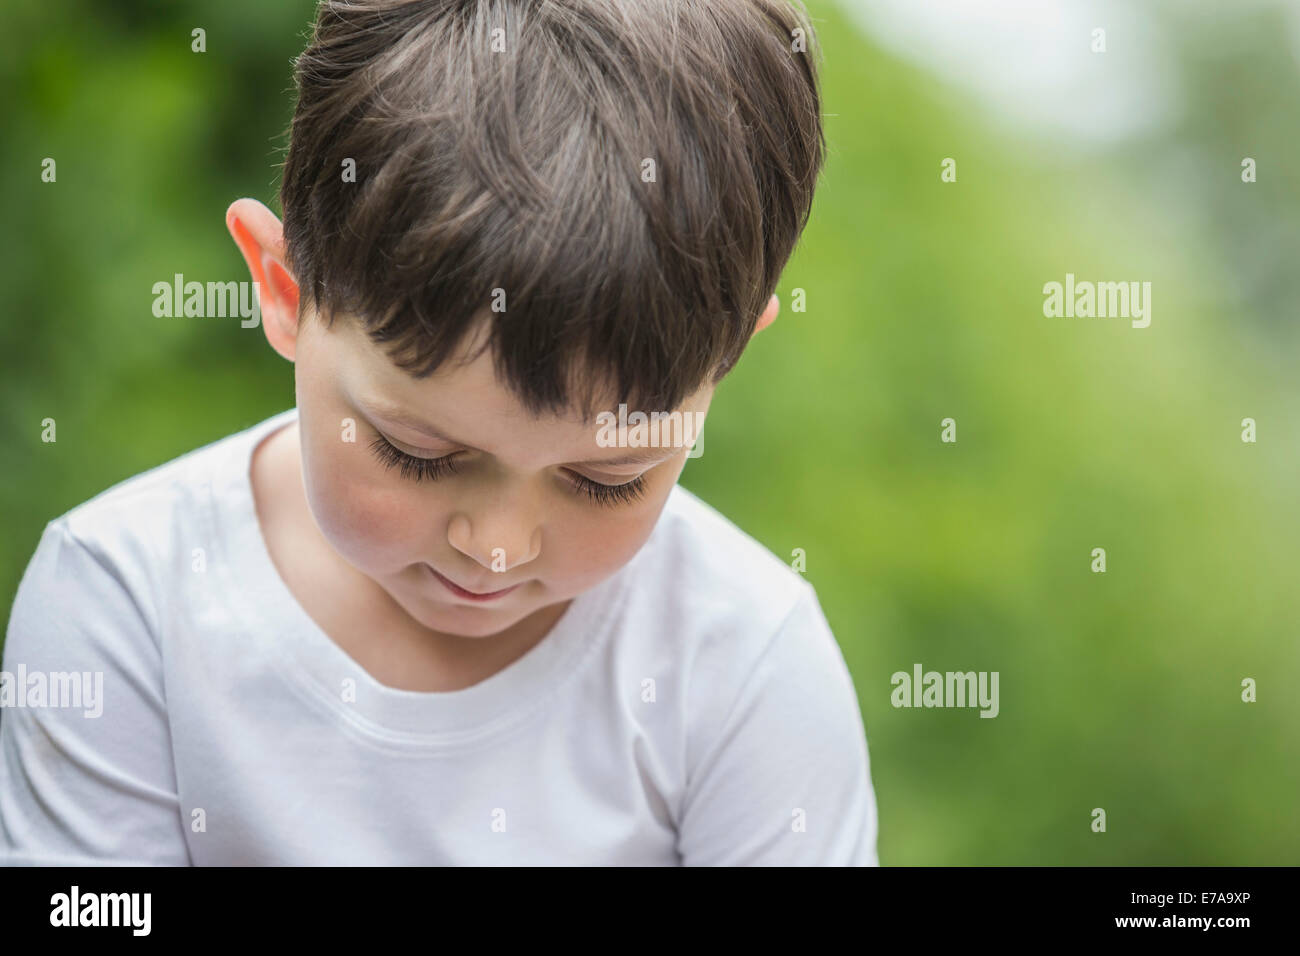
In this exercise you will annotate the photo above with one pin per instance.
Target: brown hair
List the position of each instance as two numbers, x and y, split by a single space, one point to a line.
505 145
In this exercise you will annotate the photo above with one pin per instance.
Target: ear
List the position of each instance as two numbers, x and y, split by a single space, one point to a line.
769 315
260 238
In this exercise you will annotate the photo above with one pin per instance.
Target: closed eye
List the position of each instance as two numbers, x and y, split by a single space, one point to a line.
610 494
412 466
420 469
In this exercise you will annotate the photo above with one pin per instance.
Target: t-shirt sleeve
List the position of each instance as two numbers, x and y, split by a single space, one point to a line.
786 780
76 786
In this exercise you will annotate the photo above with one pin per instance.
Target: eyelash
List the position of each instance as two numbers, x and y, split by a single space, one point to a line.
431 469
411 466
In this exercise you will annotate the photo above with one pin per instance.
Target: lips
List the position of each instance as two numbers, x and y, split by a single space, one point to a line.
466 593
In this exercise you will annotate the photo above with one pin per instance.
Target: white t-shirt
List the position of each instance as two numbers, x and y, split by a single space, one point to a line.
692 709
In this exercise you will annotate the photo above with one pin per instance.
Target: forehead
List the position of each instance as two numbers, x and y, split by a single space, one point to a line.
469 377
466 402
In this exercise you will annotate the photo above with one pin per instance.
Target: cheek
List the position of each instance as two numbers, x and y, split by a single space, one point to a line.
367 519
598 545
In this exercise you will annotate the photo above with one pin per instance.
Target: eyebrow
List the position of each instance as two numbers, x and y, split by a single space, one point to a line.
400 417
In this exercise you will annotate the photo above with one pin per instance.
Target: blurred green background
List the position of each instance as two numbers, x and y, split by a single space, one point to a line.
924 301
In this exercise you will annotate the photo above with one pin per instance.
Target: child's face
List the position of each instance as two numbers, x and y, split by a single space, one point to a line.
511 515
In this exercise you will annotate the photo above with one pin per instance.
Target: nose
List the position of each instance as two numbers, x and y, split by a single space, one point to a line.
498 534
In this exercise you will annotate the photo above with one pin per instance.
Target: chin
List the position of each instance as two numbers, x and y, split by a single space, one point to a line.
461 621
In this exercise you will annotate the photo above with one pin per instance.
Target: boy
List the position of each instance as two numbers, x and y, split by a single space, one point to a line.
434 614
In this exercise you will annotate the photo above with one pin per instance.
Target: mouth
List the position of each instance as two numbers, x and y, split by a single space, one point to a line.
465 593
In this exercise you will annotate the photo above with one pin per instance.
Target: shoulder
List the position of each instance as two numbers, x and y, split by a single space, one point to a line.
717 568
149 502
733 614
774 756
149 506
142 531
